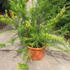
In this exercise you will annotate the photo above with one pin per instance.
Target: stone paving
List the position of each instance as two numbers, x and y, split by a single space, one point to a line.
53 60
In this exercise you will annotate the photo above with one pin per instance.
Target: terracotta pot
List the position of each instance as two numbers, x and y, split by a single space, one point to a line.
36 53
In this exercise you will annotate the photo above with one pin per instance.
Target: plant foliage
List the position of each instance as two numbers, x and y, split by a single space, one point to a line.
63 26
35 30
21 66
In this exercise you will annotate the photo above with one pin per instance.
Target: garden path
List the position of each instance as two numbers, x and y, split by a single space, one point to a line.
8 55
53 60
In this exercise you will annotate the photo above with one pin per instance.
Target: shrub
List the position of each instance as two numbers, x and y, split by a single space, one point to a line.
35 30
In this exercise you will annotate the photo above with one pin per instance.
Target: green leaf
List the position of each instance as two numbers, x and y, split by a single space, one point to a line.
2 45
22 66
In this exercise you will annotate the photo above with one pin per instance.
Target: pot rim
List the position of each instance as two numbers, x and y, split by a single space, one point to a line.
36 48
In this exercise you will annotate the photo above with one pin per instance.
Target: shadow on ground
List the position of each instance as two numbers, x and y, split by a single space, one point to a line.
58 54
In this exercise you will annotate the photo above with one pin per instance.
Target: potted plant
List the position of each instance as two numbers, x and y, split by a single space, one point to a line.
34 38
35 28
37 39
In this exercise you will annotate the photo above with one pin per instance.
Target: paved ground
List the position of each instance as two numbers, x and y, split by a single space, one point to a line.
53 60
8 60
8 55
